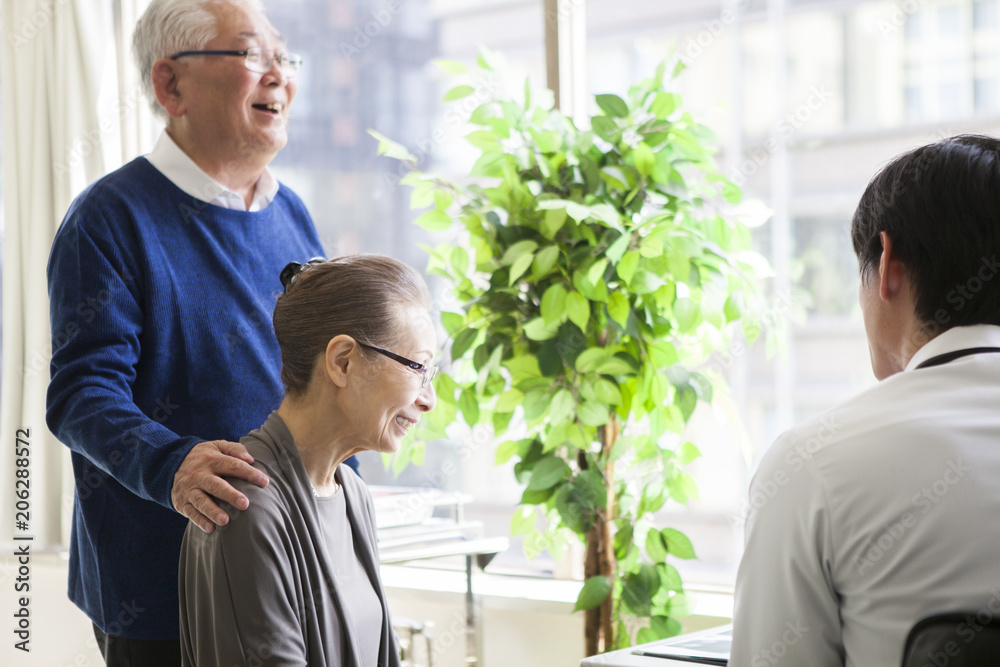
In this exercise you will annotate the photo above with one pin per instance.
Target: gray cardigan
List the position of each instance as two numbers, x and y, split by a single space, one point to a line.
260 590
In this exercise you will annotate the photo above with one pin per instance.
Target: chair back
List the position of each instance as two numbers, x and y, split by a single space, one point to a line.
955 639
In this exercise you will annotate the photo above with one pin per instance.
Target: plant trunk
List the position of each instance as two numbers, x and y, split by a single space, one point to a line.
598 622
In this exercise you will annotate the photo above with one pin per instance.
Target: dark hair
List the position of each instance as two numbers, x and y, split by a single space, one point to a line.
357 295
940 206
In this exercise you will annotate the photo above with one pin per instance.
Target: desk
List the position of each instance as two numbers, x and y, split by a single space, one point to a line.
627 658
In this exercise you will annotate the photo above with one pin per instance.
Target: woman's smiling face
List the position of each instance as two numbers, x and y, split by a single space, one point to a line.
390 400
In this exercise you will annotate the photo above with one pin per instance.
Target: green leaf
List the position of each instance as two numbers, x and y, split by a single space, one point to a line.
443 199
562 406
518 250
460 260
677 543
732 193
645 282
547 473
423 195
483 139
536 403
578 309
504 452
522 367
552 222
626 268
623 445
618 307
520 265
595 590
579 501
686 399
646 635
644 159
539 329
664 627
683 488
554 304
688 453
590 359
688 314
607 392
607 214
663 354
665 104
651 247
523 521
545 260
623 540
605 128
670 578
614 176
655 547
463 341
434 221
680 604
618 248
452 322
468 403
678 264
458 92
489 164
450 66
639 588
593 414
509 400
596 272
612 105
733 309
614 366
390 148
574 210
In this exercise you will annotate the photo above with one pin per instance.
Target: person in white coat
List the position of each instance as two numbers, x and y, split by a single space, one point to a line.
887 508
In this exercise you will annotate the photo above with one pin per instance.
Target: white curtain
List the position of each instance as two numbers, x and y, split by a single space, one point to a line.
71 113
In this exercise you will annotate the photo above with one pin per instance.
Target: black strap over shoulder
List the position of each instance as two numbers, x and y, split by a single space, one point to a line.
956 354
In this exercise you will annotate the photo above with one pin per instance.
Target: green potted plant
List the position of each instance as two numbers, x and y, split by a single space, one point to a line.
596 272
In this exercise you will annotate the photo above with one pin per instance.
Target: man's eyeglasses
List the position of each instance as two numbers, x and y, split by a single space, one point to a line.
427 373
256 59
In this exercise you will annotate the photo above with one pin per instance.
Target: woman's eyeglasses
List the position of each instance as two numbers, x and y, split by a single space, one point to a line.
427 373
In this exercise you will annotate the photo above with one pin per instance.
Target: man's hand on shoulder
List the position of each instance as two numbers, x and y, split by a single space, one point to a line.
199 482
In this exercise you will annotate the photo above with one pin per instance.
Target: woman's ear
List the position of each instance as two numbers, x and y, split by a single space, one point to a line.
340 359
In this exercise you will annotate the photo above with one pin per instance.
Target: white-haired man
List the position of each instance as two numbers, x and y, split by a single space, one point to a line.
162 280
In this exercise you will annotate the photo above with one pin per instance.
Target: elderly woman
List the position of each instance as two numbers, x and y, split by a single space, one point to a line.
294 579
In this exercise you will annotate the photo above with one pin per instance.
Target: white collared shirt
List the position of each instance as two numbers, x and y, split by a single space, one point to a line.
874 514
182 171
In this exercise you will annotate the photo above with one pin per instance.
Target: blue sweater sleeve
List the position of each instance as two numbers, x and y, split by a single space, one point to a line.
97 328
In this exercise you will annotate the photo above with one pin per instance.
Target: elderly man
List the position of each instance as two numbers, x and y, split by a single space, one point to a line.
887 508
162 280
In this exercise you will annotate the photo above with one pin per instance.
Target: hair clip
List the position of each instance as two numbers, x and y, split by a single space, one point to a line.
293 269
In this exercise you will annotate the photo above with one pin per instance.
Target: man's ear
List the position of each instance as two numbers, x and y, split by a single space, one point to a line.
166 86
340 358
891 272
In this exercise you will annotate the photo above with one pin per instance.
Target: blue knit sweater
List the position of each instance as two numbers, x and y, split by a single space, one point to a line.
161 338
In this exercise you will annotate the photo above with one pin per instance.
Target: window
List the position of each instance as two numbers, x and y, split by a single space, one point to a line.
856 75
368 64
